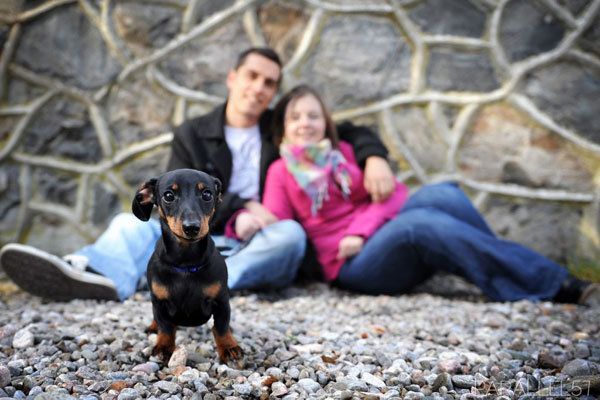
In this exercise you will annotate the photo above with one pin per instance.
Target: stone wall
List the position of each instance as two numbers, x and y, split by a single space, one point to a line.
500 95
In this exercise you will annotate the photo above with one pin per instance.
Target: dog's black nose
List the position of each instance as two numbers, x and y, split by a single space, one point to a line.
191 229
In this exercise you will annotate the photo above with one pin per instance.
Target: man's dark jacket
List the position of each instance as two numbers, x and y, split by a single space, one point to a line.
200 144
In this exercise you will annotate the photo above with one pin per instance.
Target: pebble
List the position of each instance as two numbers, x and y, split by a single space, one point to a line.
23 339
464 381
308 348
278 389
8 331
144 368
404 379
355 384
414 396
552 359
577 367
443 379
128 394
4 376
168 387
372 380
449 366
582 351
309 385
179 357
244 389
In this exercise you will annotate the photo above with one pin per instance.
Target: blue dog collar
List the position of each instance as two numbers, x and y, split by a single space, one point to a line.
190 269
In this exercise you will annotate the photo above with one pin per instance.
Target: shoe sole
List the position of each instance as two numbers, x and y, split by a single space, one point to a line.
44 275
590 296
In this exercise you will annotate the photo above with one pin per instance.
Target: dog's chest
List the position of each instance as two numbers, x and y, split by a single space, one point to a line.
189 308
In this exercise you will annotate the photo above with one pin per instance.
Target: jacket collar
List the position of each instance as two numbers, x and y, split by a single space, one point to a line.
215 123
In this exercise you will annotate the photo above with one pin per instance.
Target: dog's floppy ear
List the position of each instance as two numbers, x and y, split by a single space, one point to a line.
218 189
144 200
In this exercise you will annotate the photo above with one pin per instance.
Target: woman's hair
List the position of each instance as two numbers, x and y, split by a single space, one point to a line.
278 121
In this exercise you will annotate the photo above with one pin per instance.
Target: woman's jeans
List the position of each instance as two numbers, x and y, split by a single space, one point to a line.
269 260
438 229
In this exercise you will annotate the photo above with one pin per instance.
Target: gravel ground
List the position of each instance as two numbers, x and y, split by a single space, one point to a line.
307 342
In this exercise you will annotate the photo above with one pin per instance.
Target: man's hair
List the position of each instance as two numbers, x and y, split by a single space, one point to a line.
262 51
278 121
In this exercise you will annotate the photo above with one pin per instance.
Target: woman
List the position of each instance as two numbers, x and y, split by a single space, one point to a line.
389 247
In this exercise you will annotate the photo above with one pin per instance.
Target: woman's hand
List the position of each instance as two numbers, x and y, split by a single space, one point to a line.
379 179
246 225
257 217
350 246
259 211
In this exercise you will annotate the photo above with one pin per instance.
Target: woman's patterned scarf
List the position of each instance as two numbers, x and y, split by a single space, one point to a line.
312 164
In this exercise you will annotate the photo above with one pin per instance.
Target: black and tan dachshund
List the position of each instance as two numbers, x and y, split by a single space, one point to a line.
186 274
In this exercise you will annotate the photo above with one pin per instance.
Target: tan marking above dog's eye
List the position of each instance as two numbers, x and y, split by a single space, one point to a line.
200 186
174 187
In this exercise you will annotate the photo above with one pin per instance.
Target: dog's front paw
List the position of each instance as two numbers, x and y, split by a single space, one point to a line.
165 346
153 328
230 353
227 347
164 352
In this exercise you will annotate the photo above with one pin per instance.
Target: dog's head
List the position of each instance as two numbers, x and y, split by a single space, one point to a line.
186 200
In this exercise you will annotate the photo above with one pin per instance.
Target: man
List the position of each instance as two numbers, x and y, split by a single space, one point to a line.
234 143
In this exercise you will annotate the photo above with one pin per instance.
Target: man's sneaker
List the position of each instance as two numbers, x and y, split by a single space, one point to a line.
591 296
45 275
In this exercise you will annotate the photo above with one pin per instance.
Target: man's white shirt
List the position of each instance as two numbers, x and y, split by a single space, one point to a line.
245 146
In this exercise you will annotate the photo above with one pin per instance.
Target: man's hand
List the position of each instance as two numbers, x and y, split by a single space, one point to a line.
259 211
379 179
246 225
350 246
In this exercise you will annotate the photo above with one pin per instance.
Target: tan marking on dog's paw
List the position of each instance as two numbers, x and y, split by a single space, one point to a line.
153 328
165 346
227 347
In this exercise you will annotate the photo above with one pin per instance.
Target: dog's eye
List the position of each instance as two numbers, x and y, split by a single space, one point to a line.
168 196
207 195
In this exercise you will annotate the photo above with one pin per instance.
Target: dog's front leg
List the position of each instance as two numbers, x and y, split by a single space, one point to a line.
153 328
165 341
227 347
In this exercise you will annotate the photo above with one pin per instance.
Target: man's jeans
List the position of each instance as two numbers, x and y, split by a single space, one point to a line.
439 229
269 260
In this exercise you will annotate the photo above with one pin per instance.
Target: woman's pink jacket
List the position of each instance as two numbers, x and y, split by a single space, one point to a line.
338 217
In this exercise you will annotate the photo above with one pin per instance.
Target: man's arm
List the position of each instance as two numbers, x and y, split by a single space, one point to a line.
364 141
371 155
